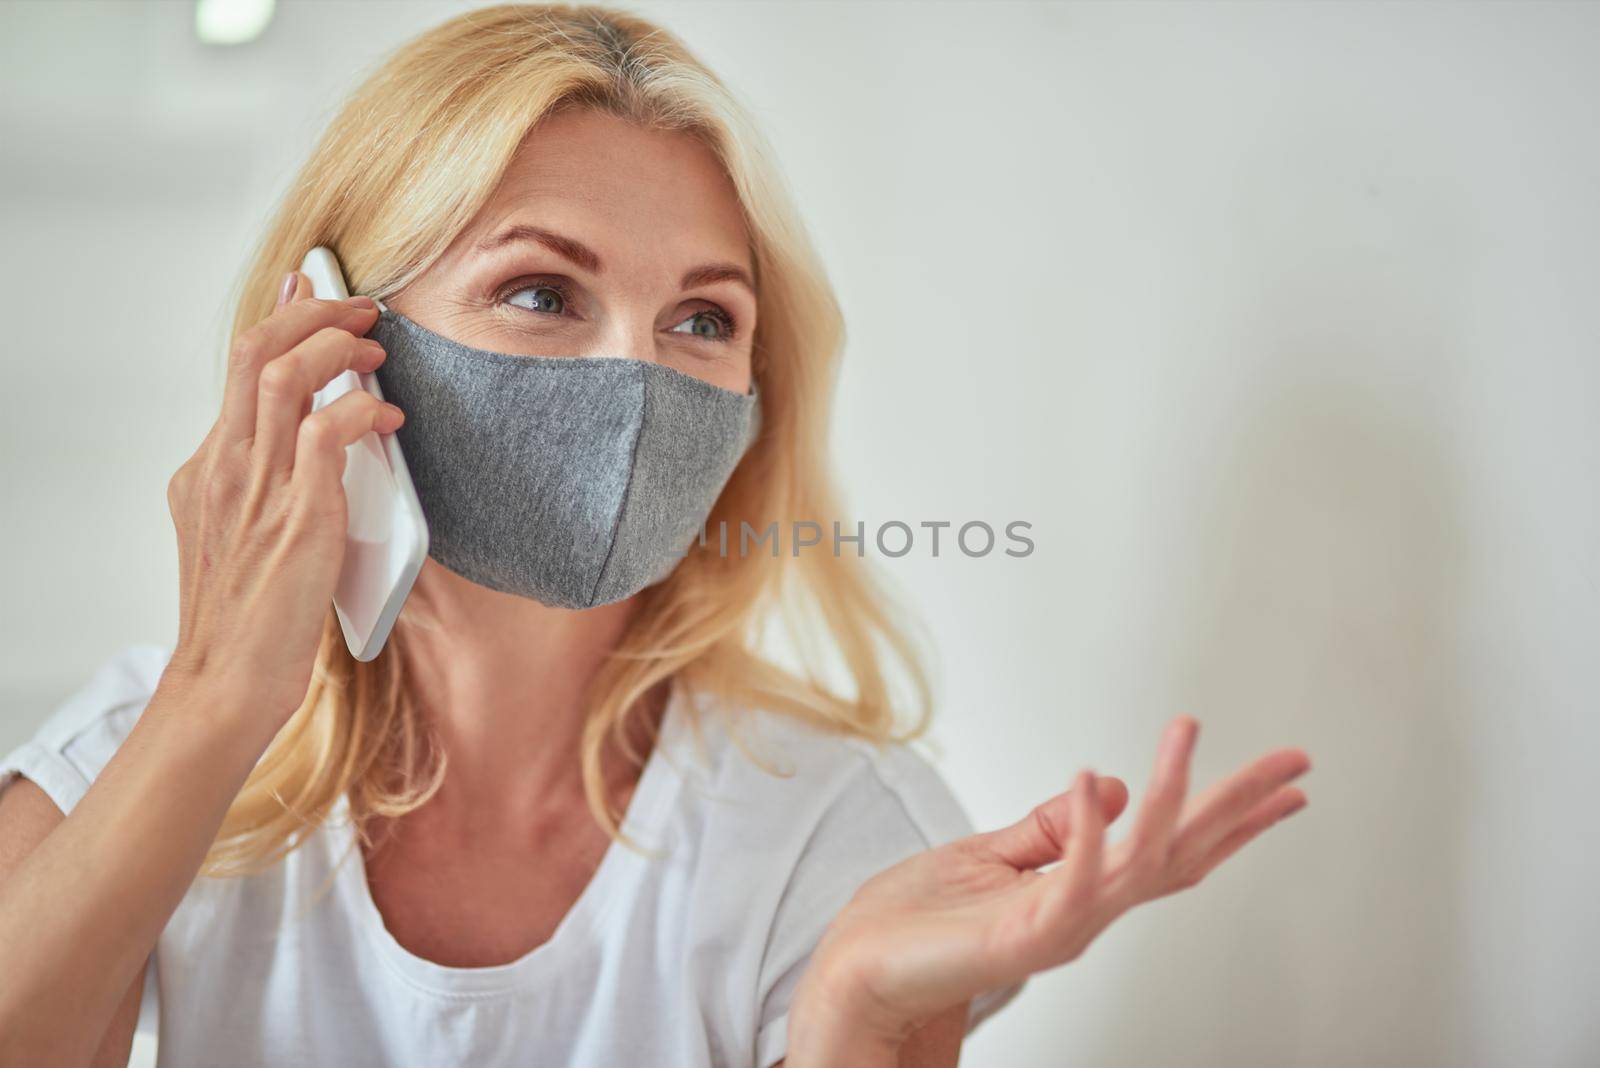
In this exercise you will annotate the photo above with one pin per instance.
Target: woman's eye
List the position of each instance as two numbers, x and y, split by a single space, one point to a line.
542 298
709 324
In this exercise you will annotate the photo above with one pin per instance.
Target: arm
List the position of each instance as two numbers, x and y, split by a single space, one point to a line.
27 816
261 516
84 898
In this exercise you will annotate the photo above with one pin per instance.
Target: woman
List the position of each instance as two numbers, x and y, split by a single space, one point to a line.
530 832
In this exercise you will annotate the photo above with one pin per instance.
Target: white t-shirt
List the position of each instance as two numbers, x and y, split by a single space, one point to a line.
689 960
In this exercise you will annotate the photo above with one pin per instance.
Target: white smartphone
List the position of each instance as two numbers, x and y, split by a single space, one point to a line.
387 538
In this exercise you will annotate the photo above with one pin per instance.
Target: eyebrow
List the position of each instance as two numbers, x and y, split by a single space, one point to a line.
579 253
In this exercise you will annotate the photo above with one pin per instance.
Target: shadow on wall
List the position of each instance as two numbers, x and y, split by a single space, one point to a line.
1324 579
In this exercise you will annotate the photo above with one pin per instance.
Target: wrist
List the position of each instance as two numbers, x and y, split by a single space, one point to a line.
831 1025
215 709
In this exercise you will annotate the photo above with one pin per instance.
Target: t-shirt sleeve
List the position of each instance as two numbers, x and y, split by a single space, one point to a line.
80 736
895 806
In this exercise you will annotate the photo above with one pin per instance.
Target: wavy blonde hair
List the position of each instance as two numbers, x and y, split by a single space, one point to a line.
402 169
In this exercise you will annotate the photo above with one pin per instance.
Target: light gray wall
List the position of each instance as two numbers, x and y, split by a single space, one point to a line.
1276 320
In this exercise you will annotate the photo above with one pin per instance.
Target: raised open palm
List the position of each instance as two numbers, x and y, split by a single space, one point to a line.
977 915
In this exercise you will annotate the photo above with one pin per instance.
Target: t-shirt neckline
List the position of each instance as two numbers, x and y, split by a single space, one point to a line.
646 814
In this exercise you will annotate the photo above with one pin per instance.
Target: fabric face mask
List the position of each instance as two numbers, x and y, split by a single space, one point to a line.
576 481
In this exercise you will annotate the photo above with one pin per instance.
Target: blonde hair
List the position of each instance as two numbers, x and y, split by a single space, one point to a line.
402 169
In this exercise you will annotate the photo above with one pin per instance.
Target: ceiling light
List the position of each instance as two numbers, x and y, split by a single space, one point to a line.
231 22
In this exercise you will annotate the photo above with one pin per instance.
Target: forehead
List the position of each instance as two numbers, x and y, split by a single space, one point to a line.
608 181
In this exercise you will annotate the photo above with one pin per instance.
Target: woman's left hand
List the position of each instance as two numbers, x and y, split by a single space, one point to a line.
951 923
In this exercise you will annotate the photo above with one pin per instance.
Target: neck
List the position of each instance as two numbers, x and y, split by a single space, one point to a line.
501 681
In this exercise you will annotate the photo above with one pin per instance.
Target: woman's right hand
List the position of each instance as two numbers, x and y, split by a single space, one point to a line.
260 507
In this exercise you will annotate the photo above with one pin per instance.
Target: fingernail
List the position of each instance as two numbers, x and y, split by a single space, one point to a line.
400 414
361 302
286 290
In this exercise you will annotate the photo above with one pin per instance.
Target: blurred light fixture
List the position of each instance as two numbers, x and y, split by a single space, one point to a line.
231 22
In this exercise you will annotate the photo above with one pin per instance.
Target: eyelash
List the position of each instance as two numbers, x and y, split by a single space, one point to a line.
730 328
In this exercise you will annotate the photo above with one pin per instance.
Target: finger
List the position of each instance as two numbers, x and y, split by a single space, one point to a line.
300 290
326 433
1040 837
294 284
1214 814
1158 815
287 385
287 326
1070 889
296 288
1280 806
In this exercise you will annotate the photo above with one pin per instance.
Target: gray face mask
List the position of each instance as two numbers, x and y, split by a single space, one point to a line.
576 481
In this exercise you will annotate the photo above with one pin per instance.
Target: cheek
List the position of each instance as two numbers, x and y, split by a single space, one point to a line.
740 375
734 377
732 373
